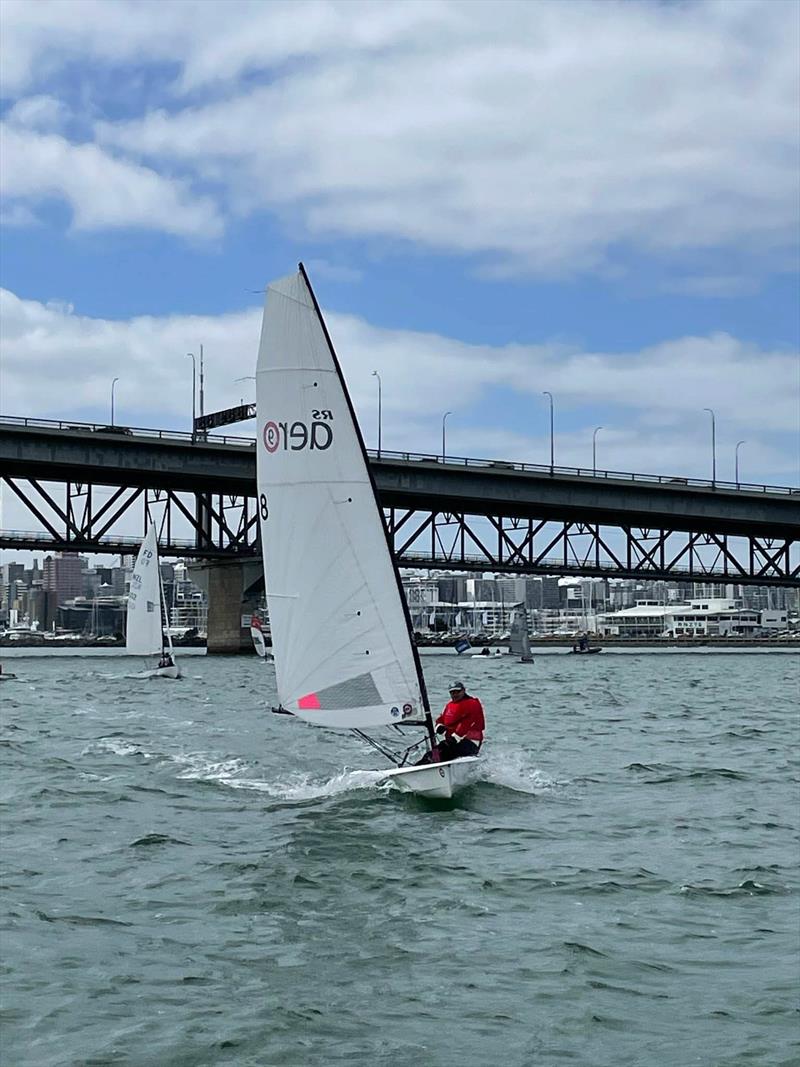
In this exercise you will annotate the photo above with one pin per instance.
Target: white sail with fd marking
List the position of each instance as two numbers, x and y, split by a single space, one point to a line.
144 632
340 632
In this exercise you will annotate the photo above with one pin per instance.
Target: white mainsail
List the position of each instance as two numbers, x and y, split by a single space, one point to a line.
340 632
144 632
519 643
259 644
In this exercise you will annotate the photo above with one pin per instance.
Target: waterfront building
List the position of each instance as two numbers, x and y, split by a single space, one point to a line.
705 617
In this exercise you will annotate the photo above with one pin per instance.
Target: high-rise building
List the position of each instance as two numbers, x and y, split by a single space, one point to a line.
63 575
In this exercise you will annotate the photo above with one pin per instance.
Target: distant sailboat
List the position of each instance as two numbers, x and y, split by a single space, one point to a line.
257 634
583 648
341 631
520 644
145 621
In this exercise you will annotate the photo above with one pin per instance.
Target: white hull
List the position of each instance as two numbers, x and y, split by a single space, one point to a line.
158 672
435 780
7 677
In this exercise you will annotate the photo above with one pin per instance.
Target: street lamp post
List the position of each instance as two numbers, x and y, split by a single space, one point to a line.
738 446
376 375
545 393
112 399
194 390
594 449
713 447
444 448
201 382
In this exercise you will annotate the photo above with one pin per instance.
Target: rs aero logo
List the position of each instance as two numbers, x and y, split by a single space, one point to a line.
295 436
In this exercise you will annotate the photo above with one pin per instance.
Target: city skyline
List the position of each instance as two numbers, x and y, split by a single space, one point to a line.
68 591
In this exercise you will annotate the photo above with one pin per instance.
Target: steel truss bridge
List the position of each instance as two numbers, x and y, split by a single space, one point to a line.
90 488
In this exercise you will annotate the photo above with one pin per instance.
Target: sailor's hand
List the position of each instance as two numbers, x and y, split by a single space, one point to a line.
440 729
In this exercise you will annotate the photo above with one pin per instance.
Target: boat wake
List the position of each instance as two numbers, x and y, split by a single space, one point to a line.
298 786
511 770
306 787
235 773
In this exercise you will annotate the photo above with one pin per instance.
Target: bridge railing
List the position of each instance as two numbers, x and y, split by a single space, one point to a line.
584 472
127 431
413 457
36 539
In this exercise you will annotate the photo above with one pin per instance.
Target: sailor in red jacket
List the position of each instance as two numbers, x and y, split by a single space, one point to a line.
462 725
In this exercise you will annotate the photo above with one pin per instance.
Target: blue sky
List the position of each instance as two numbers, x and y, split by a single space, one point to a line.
599 199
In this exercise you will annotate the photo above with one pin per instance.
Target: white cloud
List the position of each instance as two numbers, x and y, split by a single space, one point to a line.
39 39
212 44
38 112
60 364
545 138
103 192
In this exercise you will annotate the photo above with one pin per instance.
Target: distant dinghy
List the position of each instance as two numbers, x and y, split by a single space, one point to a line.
520 642
144 634
257 634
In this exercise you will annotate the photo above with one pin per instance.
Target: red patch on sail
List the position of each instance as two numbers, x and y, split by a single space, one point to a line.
309 701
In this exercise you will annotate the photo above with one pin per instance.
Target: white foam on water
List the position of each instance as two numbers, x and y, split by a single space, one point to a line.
513 770
117 746
300 786
200 767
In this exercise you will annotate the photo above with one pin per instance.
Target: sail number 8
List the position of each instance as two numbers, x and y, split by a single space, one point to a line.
262 506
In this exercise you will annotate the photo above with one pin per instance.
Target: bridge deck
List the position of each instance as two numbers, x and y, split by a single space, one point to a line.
87 453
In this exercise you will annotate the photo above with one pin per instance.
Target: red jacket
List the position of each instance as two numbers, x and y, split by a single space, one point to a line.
465 718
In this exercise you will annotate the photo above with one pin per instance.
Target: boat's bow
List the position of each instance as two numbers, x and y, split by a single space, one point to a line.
436 780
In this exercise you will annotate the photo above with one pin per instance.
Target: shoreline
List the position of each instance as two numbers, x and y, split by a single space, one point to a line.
541 644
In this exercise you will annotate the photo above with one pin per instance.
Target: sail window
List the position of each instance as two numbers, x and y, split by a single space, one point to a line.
358 692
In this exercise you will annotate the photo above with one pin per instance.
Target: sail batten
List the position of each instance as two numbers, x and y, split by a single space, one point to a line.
341 642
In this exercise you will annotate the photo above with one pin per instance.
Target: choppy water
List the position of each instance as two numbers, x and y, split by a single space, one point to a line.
189 880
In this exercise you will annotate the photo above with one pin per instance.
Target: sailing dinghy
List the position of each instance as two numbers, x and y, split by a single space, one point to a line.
145 629
520 642
341 632
257 634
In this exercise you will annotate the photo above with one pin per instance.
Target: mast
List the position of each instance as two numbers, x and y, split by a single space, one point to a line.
403 605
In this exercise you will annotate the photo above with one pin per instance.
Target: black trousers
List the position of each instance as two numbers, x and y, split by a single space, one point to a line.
450 749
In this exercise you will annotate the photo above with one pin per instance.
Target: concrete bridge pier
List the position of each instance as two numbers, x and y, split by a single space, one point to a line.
234 589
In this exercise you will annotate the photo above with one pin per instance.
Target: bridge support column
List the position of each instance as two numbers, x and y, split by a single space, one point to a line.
234 589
